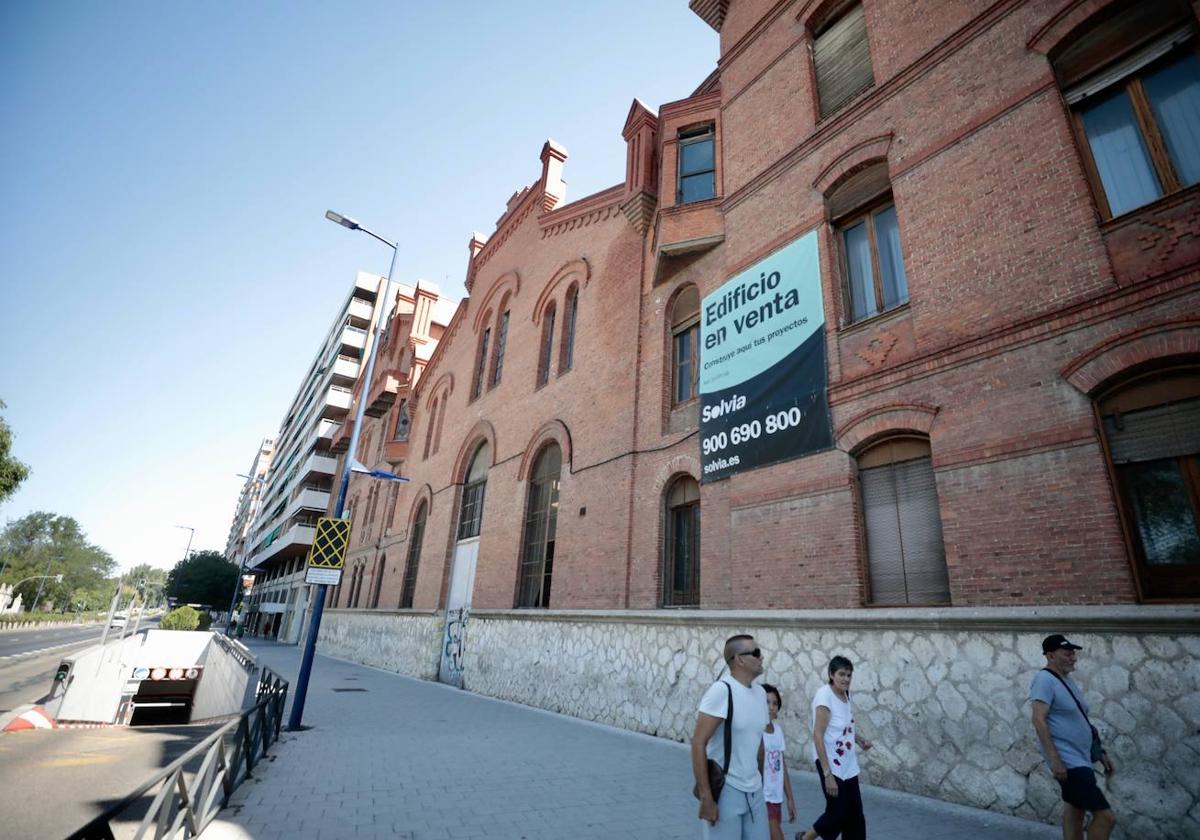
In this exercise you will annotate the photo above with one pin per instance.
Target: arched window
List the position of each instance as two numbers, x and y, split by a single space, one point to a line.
481 364
681 567
441 419
566 357
470 516
416 534
905 556
1151 427
873 276
429 423
501 344
377 584
541 520
545 355
1131 76
402 422
685 346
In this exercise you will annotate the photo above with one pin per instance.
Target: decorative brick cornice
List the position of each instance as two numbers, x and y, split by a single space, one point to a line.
639 210
691 105
711 12
507 225
581 220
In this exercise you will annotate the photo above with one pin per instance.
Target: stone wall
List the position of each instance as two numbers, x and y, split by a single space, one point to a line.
941 692
404 641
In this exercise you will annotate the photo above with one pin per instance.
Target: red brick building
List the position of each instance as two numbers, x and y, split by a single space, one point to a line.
1004 201
993 207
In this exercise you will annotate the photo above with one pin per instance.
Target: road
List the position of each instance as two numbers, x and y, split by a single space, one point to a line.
55 781
29 658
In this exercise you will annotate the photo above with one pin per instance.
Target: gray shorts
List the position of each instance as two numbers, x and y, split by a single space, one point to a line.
742 816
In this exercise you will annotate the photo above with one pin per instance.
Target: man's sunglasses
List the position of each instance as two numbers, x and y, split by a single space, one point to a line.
756 653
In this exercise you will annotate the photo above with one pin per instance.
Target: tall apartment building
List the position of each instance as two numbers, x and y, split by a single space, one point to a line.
886 344
303 475
236 549
418 320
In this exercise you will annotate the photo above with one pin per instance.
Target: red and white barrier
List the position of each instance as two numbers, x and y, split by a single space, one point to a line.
34 717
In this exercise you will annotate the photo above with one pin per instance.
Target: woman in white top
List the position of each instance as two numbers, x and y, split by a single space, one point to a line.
834 742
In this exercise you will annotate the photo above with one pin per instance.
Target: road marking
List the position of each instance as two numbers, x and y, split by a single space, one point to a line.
31 653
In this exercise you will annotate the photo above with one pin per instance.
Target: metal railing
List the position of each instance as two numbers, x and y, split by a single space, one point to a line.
182 809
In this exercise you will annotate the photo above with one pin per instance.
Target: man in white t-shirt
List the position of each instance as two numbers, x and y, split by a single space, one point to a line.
740 813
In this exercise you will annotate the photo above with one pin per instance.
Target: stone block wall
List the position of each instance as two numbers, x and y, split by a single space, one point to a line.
942 693
405 641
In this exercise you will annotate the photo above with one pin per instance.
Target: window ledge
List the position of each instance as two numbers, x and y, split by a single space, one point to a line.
684 206
1033 620
895 313
1166 202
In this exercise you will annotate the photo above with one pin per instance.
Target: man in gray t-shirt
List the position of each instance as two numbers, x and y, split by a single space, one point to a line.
1065 737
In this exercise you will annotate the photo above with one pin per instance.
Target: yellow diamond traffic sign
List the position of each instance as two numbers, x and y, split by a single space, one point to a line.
328 553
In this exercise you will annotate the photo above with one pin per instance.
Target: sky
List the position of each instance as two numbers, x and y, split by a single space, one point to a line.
166 271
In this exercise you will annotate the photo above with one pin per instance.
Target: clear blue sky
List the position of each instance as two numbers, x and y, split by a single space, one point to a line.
166 273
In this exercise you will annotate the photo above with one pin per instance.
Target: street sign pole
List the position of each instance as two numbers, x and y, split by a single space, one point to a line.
314 625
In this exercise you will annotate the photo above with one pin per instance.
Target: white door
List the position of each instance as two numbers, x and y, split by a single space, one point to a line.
458 609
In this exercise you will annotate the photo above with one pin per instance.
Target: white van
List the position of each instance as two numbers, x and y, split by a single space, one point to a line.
119 620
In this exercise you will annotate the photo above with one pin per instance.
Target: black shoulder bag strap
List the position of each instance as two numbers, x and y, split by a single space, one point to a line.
1072 693
728 730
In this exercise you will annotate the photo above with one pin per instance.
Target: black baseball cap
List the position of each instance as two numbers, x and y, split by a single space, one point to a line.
1058 642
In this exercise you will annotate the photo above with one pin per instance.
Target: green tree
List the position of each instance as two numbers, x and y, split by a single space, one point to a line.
204 578
149 582
180 618
12 471
42 543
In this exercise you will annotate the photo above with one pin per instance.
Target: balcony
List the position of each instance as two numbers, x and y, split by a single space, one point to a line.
309 498
323 436
293 542
345 370
337 402
317 465
353 340
383 393
360 311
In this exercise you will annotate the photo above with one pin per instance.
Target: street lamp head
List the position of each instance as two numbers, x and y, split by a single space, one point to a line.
341 220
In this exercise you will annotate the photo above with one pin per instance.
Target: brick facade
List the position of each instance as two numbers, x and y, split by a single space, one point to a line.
1023 305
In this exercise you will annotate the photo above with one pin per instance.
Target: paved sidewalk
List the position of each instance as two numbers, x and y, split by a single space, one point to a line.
390 756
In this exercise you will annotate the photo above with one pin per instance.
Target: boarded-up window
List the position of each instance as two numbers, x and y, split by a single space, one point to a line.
906 558
1152 428
842 60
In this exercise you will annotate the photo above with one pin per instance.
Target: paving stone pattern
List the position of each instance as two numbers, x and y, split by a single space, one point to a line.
414 759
